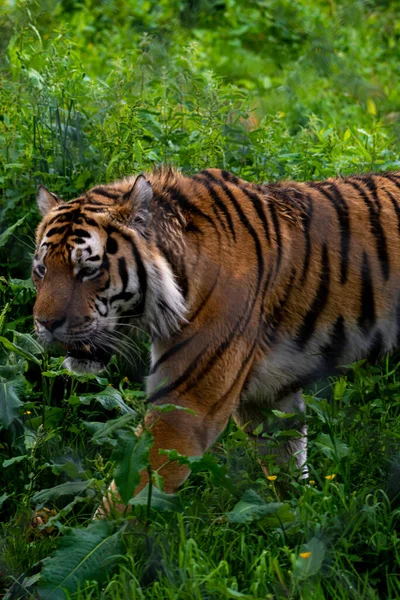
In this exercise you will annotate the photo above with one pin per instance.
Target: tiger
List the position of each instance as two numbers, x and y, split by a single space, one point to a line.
249 292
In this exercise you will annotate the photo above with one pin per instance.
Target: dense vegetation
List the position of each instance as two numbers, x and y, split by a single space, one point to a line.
92 91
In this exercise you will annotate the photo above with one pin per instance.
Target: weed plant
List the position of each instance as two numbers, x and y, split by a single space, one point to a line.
93 91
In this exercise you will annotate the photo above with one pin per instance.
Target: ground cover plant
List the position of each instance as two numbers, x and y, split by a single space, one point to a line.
93 91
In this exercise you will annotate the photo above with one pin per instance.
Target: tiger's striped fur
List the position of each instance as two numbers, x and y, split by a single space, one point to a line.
249 291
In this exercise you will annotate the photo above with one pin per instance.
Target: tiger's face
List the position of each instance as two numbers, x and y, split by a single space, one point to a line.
95 271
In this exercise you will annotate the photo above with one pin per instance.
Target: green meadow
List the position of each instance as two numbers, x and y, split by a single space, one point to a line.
92 91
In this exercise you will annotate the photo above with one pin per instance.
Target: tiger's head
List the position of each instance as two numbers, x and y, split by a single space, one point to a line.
96 268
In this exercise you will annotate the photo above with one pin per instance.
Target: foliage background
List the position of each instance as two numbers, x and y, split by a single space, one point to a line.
92 91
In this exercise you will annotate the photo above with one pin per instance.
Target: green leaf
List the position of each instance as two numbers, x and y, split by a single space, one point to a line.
103 432
8 232
109 398
12 461
332 447
70 488
282 415
27 342
159 500
83 554
3 498
131 456
307 566
218 472
259 429
9 400
18 350
253 508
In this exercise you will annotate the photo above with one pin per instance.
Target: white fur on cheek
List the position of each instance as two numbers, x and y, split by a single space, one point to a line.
166 304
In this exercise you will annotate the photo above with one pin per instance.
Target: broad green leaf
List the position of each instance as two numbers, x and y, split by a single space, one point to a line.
9 400
103 432
70 488
14 460
82 555
108 398
8 232
18 350
131 456
3 498
27 342
159 500
310 559
253 508
332 447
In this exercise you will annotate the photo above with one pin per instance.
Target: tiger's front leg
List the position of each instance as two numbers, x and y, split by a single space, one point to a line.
209 386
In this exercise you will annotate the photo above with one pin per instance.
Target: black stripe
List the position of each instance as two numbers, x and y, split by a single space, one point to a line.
336 198
367 312
306 230
259 203
82 233
334 349
392 177
206 298
376 229
64 218
245 222
277 229
369 182
396 208
219 203
184 202
111 245
229 177
90 221
101 191
310 320
56 230
275 319
123 272
142 276
69 206
220 219
96 210
171 352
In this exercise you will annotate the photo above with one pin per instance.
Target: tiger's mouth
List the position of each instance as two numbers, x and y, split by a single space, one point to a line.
86 358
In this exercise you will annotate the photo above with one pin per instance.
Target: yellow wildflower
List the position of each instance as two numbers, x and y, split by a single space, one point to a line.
27 412
272 477
305 554
312 482
330 477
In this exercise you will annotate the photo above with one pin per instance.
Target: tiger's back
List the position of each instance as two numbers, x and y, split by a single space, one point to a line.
268 286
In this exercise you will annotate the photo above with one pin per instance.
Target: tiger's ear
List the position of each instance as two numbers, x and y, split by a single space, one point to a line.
136 203
46 200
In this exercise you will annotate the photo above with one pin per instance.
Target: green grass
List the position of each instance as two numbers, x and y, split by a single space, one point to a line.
98 90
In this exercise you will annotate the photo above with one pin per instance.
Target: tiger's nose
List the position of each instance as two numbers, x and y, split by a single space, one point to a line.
51 324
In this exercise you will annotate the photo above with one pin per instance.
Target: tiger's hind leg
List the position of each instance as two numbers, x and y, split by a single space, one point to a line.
282 441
